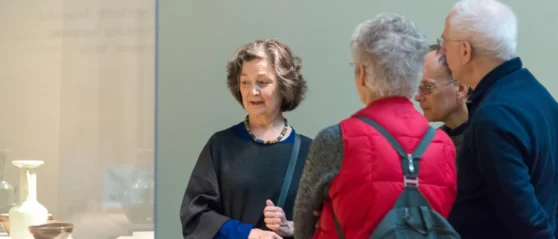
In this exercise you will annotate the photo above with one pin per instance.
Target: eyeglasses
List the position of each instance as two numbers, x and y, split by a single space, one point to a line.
440 42
353 66
427 89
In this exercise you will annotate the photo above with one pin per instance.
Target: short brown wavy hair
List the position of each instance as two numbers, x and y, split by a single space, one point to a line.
292 86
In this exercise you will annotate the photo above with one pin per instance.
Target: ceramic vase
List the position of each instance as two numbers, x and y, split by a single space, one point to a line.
29 211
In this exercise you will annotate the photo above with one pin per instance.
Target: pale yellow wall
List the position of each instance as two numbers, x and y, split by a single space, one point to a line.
198 37
77 91
30 93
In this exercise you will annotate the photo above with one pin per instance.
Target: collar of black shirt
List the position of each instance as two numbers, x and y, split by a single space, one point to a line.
489 80
455 131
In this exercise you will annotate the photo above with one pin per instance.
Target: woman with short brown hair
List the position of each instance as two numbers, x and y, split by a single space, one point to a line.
246 177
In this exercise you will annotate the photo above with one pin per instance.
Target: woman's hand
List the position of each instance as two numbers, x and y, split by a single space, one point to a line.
276 220
318 214
261 234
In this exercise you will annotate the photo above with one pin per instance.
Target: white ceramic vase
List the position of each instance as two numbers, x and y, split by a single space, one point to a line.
29 211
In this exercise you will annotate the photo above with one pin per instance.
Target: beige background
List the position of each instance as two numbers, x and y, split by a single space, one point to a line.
77 91
198 37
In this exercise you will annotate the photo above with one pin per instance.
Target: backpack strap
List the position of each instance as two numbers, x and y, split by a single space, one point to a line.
409 162
337 226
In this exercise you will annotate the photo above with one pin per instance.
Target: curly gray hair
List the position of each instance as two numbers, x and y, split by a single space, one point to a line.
392 50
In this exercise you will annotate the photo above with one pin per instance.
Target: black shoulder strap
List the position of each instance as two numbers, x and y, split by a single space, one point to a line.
408 161
290 172
337 226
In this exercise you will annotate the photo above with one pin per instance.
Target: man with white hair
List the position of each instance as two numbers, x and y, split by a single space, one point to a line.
507 183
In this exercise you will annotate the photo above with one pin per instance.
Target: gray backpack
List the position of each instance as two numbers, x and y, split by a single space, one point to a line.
411 217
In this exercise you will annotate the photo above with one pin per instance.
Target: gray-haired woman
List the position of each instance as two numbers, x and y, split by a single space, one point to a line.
352 169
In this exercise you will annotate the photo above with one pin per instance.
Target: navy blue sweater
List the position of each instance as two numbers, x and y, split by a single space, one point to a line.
507 182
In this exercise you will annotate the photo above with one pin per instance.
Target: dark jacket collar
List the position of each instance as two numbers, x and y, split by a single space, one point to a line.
456 131
489 80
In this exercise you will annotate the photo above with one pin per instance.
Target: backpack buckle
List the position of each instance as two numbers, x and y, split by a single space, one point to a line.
410 182
411 163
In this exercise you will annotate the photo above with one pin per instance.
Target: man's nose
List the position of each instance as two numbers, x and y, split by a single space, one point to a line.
419 96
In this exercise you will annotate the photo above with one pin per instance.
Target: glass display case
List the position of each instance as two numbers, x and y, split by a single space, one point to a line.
7 190
77 91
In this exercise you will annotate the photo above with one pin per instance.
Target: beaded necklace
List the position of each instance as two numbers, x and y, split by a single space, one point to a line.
261 141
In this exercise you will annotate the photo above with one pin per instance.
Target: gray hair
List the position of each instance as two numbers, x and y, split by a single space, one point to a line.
488 25
392 50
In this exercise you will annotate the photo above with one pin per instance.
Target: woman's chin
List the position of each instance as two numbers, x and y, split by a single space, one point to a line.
257 111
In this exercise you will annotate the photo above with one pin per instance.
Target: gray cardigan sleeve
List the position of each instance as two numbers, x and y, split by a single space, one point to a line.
324 160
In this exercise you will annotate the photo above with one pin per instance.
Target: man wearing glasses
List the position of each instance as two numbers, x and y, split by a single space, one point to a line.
441 98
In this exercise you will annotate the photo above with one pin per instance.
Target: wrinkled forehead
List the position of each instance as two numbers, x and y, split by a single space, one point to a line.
434 67
447 26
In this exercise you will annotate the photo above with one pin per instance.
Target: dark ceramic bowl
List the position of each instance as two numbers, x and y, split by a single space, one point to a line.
52 230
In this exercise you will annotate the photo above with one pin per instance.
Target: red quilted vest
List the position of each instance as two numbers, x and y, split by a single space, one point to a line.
371 179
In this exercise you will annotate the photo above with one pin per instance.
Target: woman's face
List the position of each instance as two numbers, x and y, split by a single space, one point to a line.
259 88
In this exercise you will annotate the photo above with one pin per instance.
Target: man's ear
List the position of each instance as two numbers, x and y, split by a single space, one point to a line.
462 90
466 52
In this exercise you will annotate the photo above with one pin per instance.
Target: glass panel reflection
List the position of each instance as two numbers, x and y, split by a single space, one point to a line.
77 91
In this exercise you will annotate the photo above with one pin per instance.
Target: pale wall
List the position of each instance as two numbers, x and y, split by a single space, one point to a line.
198 37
